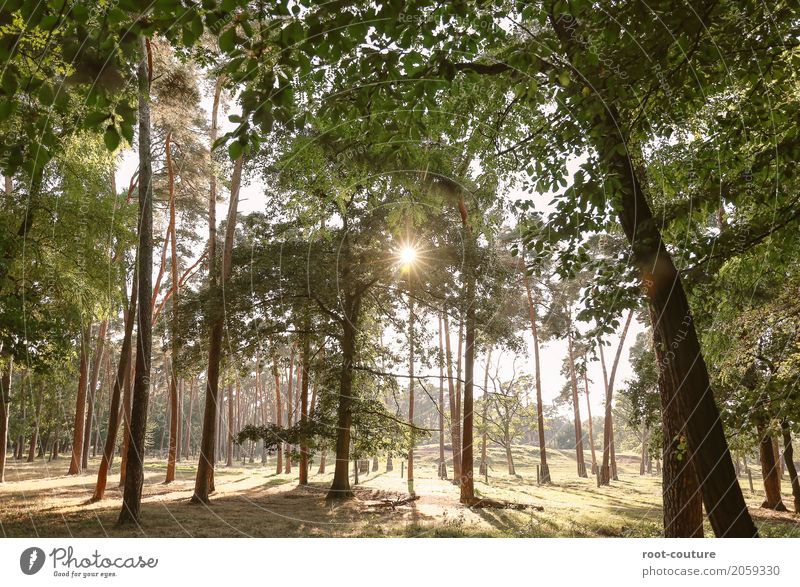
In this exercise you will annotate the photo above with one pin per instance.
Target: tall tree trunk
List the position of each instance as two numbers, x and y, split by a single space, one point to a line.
187 432
576 410
442 462
229 436
788 456
608 430
484 467
589 415
175 415
289 390
306 367
340 488
35 434
134 476
80 404
467 460
6 371
544 469
204 479
455 428
667 299
683 503
642 463
410 478
205 468
769 472
91 392
278 412
126 419
123 372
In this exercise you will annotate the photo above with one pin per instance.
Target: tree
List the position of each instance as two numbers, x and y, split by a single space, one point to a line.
134 471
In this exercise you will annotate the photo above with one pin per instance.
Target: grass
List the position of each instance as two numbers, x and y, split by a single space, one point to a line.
38 499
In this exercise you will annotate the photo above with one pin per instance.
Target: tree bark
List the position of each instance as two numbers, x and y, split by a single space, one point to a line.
126 419
229 436
544 469
589 415
442 462
80 404
455 428
576 410
769 472
35 433
484 467
467 460
289 390
410 478
91 392
608 428
175 415
304 377
7 367
134 477
340 488
788 456
204 480
123 372
509 457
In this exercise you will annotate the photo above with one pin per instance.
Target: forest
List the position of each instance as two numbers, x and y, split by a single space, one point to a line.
399 268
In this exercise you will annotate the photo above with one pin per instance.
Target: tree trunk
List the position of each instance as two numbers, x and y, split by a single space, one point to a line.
683 504
509 456
666 297
340 488
576 410
608 429
467 460
455 428
484 468
204 480
544 469
322 458
304 376
278 411
134 477
229 436
187 431
126 419
123 372
644 449
410 478
175 415
7 367
769 472
788 456
289 410
589 415
91 391
442 462
35 433
80 404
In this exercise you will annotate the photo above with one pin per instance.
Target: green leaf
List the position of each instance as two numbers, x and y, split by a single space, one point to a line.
227 40
111 138
235 149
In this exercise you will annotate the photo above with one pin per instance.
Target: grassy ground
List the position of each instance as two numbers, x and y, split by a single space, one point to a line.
39 500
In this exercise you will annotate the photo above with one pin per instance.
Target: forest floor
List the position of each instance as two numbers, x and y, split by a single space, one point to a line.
38 499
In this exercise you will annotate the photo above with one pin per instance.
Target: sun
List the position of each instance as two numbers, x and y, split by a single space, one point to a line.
408 255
